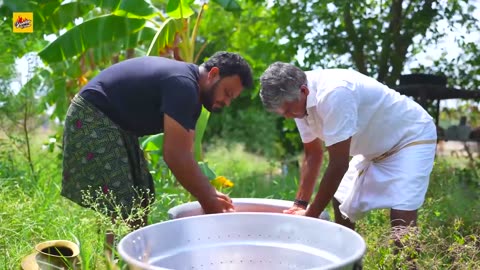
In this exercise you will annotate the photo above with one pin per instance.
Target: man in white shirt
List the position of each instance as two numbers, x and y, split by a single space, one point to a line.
391 138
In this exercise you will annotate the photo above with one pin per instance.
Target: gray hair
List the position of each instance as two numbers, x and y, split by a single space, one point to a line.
281 83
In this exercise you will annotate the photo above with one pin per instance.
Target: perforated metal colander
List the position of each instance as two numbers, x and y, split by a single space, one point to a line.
243 241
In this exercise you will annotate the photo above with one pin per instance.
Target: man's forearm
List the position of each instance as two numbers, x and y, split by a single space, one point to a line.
328 186
308 176
187 172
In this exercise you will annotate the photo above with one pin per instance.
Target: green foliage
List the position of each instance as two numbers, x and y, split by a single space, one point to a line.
88 35
152 143
53 17
229 5
449 218
456 194
246 121
164 36
258 136
209 173
367 36
232 161
375 37
199 133
139 9
179 9
246 33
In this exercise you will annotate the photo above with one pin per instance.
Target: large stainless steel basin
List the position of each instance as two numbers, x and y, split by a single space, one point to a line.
243 241
241 205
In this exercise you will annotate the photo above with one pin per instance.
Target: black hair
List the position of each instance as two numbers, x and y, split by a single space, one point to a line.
230 64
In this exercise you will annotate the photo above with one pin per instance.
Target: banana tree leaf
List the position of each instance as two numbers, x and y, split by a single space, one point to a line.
199 132
153 143
165 36
105 4
22 6
178 9
90 34
206 170
135 9
57 97
229 5
143 36
102 55
159 4
61 15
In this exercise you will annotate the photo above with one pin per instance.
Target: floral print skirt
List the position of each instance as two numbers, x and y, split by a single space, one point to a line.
103 165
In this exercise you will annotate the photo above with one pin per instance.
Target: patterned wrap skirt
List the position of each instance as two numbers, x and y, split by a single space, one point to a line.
103 165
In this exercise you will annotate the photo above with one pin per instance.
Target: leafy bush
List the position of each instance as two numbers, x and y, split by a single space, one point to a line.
250 125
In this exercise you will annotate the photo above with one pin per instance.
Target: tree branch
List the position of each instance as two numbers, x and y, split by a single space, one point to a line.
357 53
422 19
27 141
389 36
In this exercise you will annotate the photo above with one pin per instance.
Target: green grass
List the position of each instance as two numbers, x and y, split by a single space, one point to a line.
33 211
449 224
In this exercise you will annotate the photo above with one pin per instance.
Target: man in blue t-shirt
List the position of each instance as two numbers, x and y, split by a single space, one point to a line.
103 165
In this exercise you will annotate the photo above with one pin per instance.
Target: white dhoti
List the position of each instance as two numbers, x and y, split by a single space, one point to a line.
398 180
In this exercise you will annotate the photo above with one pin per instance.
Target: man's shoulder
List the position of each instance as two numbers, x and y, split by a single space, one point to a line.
181 89
327 81
332 73
156 62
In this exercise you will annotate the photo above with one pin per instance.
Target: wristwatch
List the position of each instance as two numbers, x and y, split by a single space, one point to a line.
301 203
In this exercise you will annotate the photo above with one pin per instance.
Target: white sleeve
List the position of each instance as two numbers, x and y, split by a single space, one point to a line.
305 132
339 112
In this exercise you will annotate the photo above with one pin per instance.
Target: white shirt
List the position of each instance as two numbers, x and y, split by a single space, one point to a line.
344 103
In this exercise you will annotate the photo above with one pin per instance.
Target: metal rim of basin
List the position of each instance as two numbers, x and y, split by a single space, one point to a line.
194 207
191 206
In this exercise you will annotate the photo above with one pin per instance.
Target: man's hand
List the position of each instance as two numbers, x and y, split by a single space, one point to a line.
216 203
295 210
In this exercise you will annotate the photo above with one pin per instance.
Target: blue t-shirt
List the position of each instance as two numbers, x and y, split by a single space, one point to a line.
136 93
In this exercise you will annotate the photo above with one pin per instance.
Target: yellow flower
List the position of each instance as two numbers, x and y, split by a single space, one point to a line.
205 6
222 181
82 80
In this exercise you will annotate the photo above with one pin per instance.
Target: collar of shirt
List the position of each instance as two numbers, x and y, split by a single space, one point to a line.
311 104
312 96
